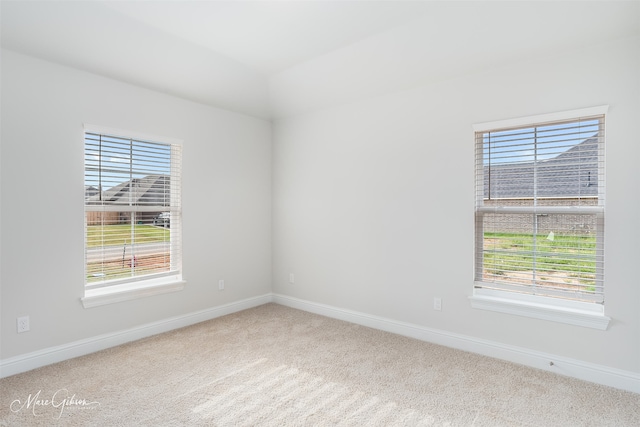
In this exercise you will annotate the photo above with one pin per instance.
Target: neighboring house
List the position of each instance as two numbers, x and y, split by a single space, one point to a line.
90 190
151 190
564 176
568 178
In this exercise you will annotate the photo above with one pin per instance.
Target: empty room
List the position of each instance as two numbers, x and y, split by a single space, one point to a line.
357 213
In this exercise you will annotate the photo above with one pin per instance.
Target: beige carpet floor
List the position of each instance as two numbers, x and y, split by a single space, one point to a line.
276 366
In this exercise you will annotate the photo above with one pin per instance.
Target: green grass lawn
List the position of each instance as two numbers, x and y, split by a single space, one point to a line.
510 252
118 235
128 267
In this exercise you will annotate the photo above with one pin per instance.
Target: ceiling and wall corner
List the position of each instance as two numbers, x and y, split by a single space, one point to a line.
451 40
93 37
275 59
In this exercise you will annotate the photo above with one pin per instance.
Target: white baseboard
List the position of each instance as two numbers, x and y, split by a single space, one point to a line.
599 374
591 372
36 359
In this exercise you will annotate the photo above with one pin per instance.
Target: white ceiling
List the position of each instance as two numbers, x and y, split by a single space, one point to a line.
270 36
277 58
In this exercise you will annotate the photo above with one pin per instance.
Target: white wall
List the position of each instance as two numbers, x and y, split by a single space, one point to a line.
373 201
226 201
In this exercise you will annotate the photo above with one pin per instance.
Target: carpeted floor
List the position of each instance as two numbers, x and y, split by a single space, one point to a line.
276 366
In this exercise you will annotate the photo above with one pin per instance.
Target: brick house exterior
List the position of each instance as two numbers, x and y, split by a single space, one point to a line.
151 190
571 178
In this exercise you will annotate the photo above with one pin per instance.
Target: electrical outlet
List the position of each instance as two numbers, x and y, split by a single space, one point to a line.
291 278
437 303
23 324
221 285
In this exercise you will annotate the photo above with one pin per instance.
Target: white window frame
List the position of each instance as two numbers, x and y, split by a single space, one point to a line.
144 286
578 313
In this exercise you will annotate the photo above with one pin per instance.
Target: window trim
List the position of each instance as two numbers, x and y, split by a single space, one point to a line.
136 287
541 118
586 314
577 313
131 290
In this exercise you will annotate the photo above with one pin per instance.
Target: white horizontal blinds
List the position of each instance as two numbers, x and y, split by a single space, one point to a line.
132 209
540 207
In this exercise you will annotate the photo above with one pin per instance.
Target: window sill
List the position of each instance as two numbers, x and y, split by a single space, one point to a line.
589 315
132 290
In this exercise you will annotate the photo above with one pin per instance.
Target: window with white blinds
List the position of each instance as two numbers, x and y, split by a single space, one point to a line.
132 209
540 209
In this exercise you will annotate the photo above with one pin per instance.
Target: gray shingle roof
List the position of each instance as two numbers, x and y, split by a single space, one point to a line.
572 173
151 190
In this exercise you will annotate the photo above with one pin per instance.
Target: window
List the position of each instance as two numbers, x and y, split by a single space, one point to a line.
540 210
132 212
